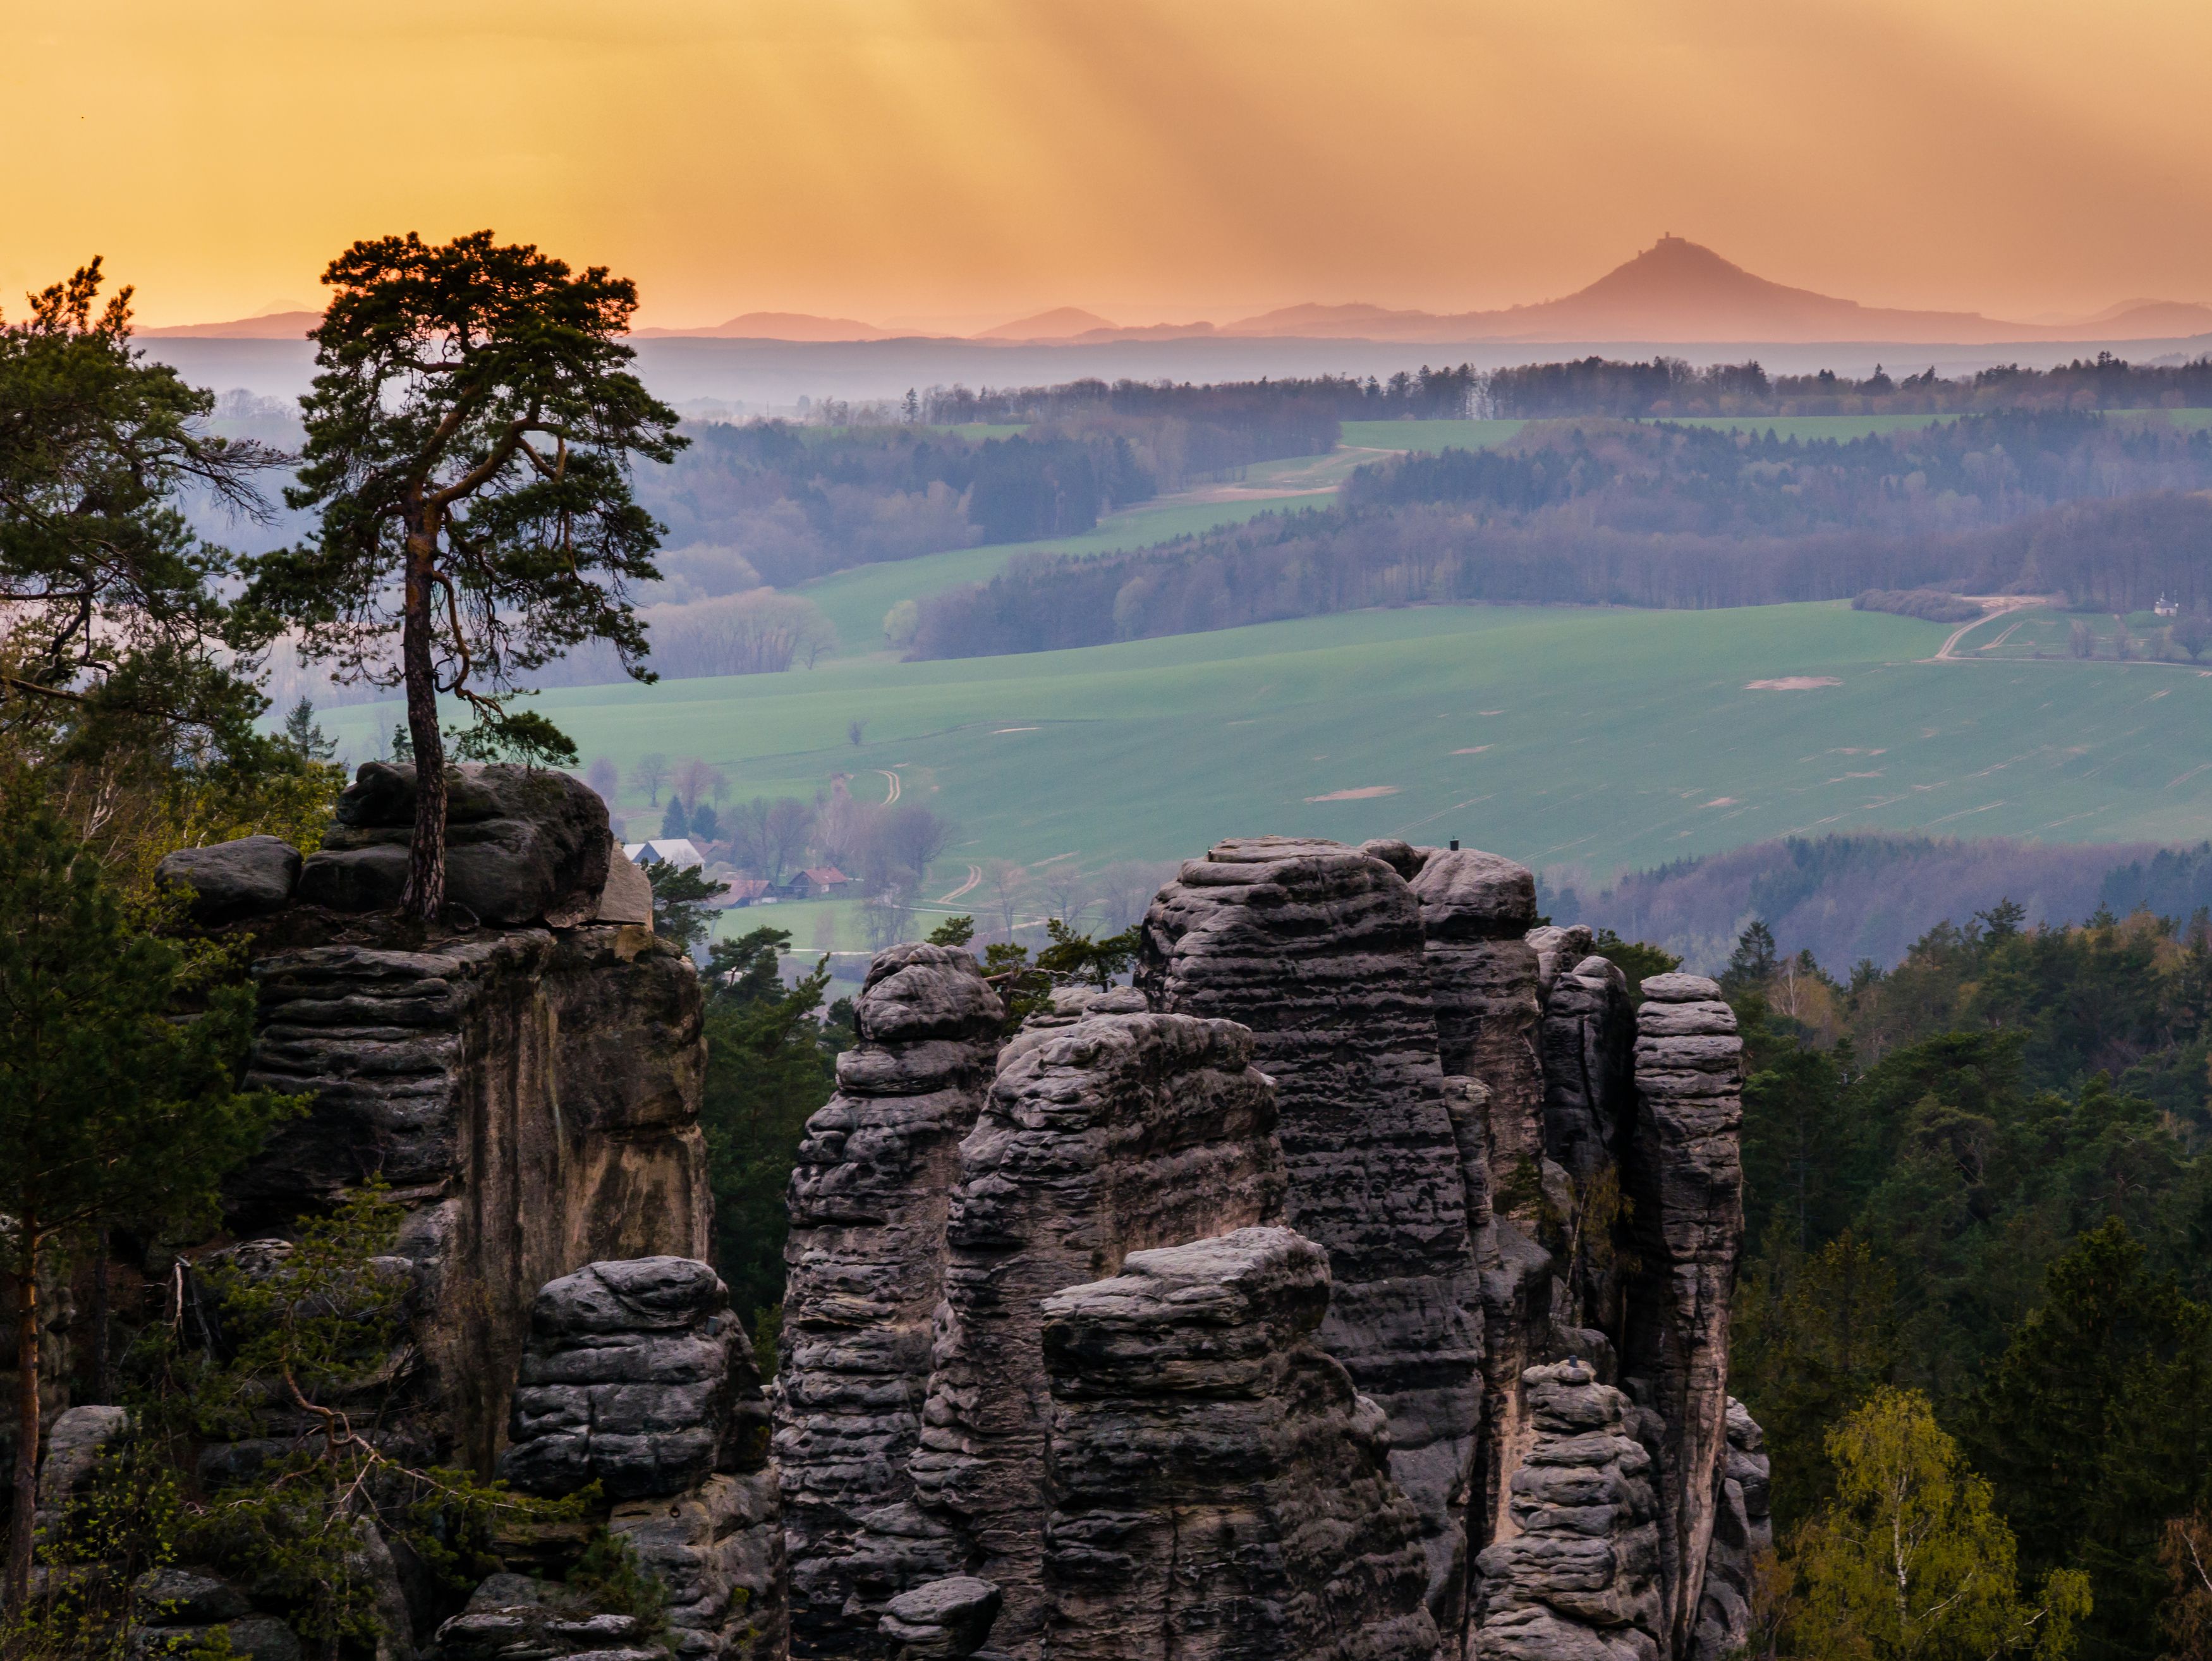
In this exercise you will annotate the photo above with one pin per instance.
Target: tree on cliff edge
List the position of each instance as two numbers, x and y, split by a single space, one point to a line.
113 1108
469 444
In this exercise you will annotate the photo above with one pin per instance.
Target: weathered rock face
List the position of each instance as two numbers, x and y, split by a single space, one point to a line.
1743 1530
1576 1577
523 843
1683 1169
1476 910
1117 1133
1318 948
250 877
638 1377
865 1266
532 1096
1218 1490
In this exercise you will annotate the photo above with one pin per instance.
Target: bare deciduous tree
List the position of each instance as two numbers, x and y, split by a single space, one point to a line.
1008 881
648 773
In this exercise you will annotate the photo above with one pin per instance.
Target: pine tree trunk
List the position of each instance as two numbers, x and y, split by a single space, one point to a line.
425 894
24 1511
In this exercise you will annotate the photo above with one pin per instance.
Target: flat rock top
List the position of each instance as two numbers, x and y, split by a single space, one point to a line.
1680 989
1246 1275
630 1294
1464 890
942 1602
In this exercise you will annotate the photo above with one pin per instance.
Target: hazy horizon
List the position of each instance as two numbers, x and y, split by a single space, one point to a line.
954 164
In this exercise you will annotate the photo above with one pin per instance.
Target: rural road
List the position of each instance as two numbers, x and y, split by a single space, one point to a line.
1992 605
975 876
894 780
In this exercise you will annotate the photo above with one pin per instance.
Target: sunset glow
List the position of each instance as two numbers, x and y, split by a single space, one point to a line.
951 163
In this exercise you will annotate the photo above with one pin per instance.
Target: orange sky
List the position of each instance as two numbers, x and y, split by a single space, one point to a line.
952 160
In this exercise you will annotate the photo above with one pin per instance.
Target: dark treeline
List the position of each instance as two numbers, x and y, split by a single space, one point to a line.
1669 385
1983 1175
1867 896
795 502
2110 517
1426 394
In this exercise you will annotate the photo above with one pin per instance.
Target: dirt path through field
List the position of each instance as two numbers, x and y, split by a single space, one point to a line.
1992 605
974 877
892 779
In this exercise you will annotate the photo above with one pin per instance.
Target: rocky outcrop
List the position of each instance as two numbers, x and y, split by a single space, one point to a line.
864 1267
532 1096
638 1378
1575 1576
1117 1133
1319 949
1476 909
1218 1486
1683 1173
230 881
950 1618
1743 1534
524 844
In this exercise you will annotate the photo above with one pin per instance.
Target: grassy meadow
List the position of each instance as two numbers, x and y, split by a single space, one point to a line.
1586 738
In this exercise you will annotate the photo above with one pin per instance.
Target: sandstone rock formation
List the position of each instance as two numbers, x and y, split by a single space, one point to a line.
639 1378
523 844
1743 1530
949 1617
864 1267
229 882
531 1097
1218 1489
1683 1171
1476 910
1354 1285
1114 1133
1575 1575
1319 949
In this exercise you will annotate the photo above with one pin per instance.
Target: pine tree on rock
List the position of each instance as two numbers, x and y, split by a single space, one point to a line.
470 438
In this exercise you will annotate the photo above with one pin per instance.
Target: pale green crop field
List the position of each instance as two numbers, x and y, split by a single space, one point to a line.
856 599
1585 737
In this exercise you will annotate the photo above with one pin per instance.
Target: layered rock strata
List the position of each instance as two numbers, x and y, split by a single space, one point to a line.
639 1378
531 1097
1476 911
1743 1532
1218 1488
1115 1134
864 1267
1575 1576
1318 948
1684 1175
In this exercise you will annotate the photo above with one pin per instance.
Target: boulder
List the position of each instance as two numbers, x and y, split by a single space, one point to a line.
950 1618
231 881
522 844
637 1378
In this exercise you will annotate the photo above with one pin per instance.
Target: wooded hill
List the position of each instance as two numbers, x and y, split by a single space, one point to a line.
2106 511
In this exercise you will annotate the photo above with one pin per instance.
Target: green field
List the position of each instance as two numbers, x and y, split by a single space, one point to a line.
1590 738
1429 435
2039 633
856 599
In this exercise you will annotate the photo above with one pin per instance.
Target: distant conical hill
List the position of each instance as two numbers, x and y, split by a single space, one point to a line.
1677 291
